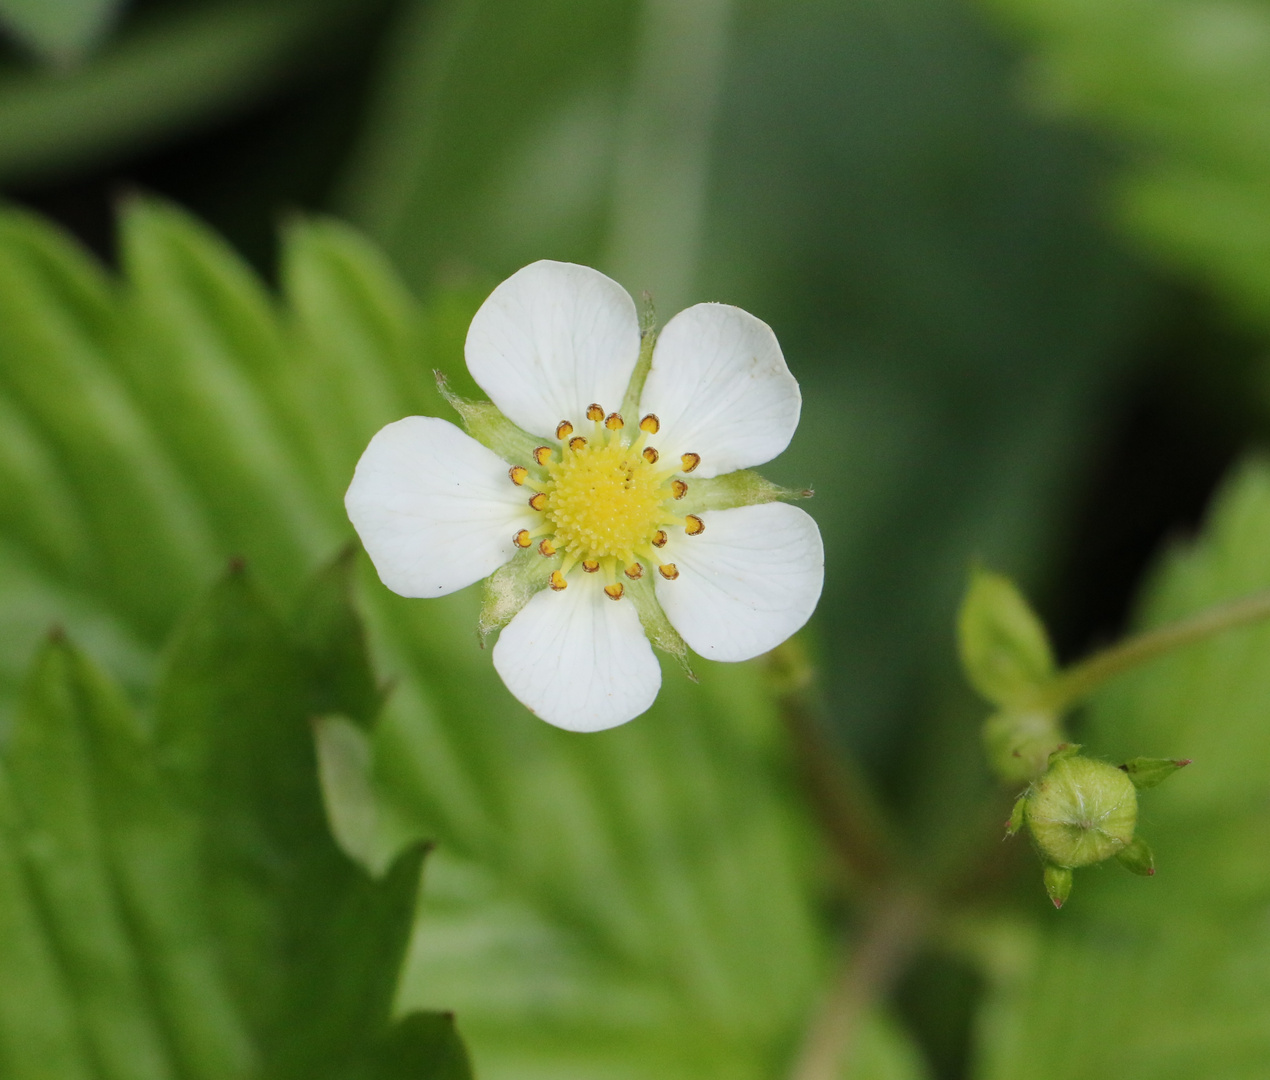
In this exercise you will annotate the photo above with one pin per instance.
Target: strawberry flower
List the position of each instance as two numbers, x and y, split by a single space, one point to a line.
605 494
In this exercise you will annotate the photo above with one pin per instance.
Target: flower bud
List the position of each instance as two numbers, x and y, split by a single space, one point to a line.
1081 811
1004 649
1019 744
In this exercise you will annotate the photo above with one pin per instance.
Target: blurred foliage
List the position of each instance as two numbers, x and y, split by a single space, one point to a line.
172 902
60 30
1186 83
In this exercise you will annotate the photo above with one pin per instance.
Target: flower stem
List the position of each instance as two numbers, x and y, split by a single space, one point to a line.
1084 678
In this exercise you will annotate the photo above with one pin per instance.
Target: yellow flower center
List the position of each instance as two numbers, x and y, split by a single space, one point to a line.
605 502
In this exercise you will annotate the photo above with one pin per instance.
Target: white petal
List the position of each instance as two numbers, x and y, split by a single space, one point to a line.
550 340
435 509
577 659
720 388
746 583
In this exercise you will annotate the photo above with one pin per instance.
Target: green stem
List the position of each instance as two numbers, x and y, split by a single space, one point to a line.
1084 678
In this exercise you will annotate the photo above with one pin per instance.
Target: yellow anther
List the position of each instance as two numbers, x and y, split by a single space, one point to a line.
590 565
595 412
694 526
557 581
650 455
577 443
689 461
635 571
563 430
518 474
678 489
539 501
522 539
542 454
668 570
614 421
545 548
614 591
651 424
659 538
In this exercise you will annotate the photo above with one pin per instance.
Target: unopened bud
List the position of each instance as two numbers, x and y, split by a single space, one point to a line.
1146 772
1019 744
1003 645
1137 858
1081 811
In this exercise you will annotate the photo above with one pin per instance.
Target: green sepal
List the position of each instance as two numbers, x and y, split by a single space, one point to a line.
1064 750
1019 744
647 339
511 587
653 619
1138 858
1147 772
1016 816
1058 883
490 428
1004 648
744 487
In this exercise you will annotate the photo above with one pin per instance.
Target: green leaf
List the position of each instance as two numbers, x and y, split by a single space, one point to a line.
194 916
61 30
1004 648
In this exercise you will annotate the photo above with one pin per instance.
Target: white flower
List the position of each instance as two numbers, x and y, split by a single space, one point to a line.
601 505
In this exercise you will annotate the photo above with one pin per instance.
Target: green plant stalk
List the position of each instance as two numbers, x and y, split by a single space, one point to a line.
1082 679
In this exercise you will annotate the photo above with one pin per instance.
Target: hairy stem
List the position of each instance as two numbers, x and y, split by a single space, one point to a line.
1083 678
894 929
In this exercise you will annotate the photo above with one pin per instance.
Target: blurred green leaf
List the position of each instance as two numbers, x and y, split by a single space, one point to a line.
646 902
1184 83
60 30
167 75
1169 977
193 917
1004 648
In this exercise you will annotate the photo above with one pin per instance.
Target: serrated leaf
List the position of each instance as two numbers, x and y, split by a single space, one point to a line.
199 919
641 901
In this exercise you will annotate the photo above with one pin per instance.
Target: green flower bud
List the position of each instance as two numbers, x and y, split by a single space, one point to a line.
1019 744
1081 811
1004 649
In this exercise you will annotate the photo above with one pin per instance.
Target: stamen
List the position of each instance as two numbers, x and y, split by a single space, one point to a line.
690 461
557 581
614 592
545 548
595 412
694 526
659 538
668 570
635 571
542 454
678 488
590 565
650 455
650 423
563 430
539 501
614 421
577 443
518 474
522 539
